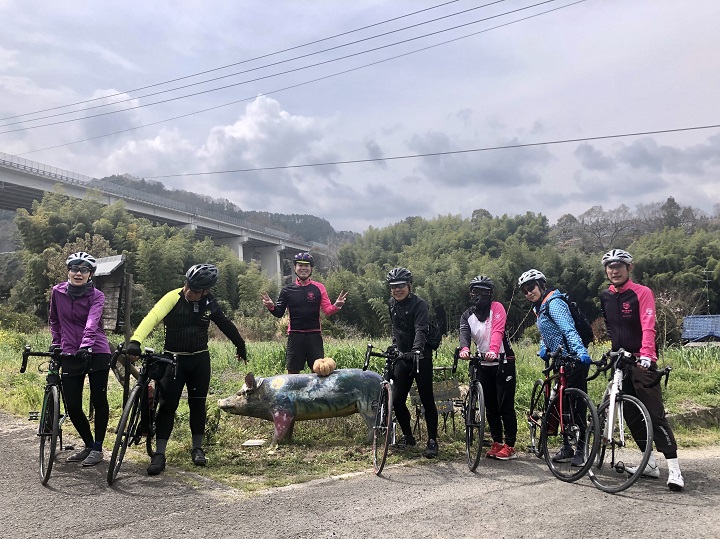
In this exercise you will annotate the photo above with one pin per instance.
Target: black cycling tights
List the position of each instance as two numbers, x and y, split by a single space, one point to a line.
403 377
194 371
73 393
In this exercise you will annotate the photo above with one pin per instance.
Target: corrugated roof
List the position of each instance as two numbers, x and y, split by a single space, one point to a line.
108 264
700 327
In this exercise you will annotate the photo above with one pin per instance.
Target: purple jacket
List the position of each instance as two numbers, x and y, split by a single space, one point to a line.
77 323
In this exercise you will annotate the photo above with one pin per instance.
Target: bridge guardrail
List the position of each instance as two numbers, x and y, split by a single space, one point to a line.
65 176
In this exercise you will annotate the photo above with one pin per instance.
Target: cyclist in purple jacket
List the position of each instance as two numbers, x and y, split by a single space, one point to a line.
76 327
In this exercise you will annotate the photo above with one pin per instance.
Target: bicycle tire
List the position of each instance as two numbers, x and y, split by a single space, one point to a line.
538 407
569 432
49 431
609 472
126 431
150 441
474 424
383 427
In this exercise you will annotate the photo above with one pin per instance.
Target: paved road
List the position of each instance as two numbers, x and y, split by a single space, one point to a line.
518 499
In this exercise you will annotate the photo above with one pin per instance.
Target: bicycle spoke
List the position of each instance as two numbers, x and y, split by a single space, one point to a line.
623 456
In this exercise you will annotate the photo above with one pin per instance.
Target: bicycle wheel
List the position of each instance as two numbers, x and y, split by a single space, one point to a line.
474 424
126 432
48 431
570 452
631 431
538 406
382 430
153 393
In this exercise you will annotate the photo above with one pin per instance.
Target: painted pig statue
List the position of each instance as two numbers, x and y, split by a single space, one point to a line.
286 398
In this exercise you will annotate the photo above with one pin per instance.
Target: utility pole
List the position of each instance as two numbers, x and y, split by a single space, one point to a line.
707 288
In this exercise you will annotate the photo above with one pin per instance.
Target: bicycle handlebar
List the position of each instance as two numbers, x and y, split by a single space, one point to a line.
477 356
389 354
148 354
622 357
27 353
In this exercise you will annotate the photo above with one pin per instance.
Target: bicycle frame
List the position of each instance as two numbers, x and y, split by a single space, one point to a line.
52 380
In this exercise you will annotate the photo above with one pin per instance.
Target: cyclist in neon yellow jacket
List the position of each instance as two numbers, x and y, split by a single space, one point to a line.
186 313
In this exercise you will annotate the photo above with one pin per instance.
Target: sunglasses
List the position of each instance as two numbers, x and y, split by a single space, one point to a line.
196 291
79 269
480 292
397 286
527 288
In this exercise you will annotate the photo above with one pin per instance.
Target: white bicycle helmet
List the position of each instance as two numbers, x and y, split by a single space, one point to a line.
81 258
616 255
531 275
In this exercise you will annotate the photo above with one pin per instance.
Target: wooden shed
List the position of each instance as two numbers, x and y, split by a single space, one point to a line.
111 279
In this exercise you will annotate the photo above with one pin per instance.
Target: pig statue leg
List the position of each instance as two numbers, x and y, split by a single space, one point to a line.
368 414
283 421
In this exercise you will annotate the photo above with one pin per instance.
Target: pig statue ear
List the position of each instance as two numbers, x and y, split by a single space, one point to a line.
250 381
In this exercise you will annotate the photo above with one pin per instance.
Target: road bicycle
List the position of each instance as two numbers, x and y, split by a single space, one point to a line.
384 427
52 415
626 428
473 409
139 413
568 420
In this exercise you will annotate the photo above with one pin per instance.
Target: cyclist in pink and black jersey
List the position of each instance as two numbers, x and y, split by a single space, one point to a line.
629 311
304 299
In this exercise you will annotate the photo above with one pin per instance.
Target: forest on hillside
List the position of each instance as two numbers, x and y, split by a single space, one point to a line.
676 249
306 227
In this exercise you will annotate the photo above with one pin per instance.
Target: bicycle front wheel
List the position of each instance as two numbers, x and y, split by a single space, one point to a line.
538 406
625 449
474 424
383 427
126 432
570 451
48 431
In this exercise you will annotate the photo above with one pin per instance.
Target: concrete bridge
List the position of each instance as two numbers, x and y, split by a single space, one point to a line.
22 181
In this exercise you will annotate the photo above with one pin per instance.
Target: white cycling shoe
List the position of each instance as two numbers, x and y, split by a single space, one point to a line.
675 480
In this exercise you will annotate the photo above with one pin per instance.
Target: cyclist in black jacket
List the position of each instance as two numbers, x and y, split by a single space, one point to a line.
410 323
186 313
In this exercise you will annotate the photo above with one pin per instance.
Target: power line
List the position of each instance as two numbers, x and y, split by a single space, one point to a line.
236 63
273 75
435 154
129 99
307 82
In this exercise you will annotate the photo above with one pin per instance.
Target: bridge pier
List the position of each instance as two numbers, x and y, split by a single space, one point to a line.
236 245
270 260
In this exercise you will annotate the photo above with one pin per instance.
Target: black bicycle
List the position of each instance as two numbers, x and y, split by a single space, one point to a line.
564 427
52 414
473 410
384 428
138 416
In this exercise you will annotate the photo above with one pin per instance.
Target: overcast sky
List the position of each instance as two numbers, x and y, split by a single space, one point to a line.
600 67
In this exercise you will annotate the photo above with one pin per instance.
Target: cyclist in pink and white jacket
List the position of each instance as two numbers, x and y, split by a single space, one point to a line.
484 324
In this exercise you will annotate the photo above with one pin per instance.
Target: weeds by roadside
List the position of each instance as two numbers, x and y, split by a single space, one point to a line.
333 446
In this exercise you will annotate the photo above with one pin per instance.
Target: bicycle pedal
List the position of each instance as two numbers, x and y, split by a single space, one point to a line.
33 416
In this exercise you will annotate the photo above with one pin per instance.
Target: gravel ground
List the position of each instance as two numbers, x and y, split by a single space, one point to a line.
518 499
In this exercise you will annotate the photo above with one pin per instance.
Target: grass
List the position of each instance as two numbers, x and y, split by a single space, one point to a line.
335 446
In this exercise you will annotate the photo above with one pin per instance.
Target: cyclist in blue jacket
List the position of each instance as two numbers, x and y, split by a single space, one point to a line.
557 328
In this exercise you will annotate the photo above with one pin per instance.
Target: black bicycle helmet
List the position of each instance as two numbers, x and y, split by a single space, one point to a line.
399 275
482 281
201 276
81 258
304 258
